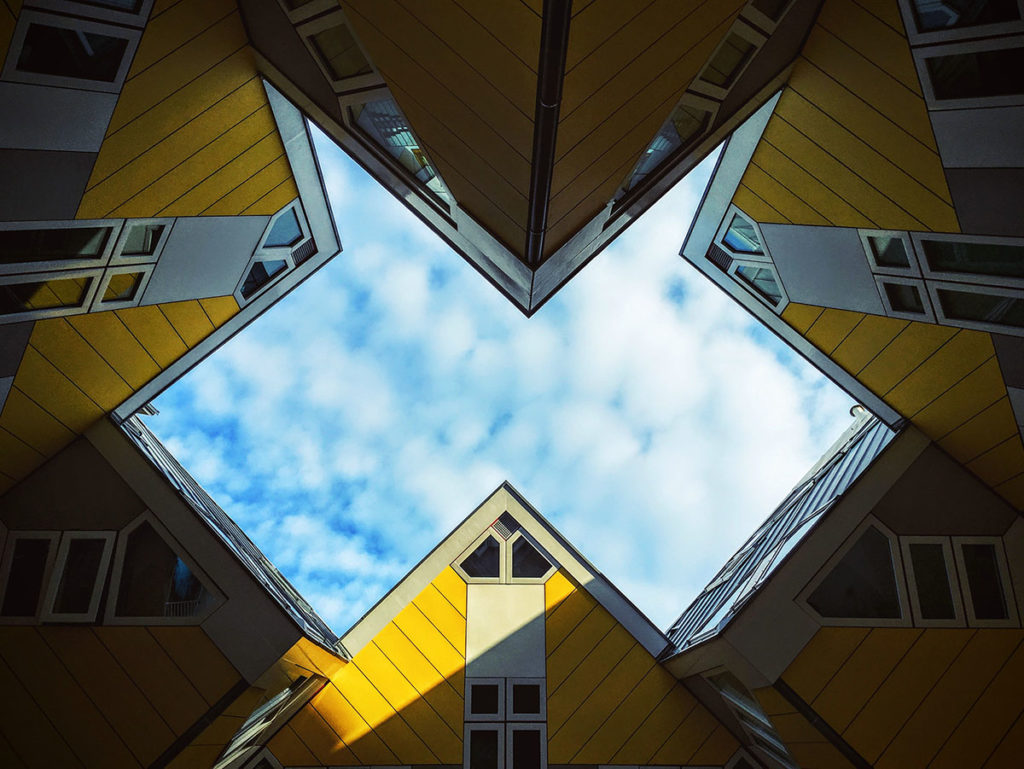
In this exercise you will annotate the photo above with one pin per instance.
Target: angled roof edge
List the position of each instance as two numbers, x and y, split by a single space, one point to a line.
505 499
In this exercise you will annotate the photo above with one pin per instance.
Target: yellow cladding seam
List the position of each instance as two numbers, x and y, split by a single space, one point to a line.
220 309
861 345
1000 463
289 749
819 660
199 659
115 343
961 355
1012 490
557 588
184 21
749 201
950 411
189 321
831 328
154 332
25 419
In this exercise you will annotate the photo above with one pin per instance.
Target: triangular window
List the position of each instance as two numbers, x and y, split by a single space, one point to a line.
527 560
863 584
484 561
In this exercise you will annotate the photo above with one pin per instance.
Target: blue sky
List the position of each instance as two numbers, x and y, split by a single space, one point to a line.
640 410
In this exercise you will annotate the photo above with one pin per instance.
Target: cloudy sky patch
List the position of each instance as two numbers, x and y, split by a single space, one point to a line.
640 410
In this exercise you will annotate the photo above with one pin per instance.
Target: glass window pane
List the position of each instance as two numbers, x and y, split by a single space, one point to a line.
483 749
888 251
485 561
742 237
526 699
261 274
71 53
155 582
131 6
483 699
979 74
340 53
771 8
122 287
953 14
987 308
527 561
728 61
931 581
975 258
984 581
762 281
81 567
285 232
43 295
18 246
525 749
862 585
684 125
904 298
25 579
142 239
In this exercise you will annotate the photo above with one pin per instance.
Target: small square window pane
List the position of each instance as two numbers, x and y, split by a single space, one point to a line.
71 53
904 298
483 749
483 699
729 59
81 568
339 53
142 239
889 251
25 578
526 699
122 287
984 581
525 749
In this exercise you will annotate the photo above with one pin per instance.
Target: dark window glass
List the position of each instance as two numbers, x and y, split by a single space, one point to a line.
904 298
485 561
484 700
122 286
155 582
771 8
741 237
142 239
971 75
131 6
526 699
762 280
984 582
862 585
293 4
987 308
483 749
684 125
50 245
71 53
25 580
527 561
728 61
931 581
975 258
340 53
81 568
952 14
285 232
261 274
525 749
888 251
43 294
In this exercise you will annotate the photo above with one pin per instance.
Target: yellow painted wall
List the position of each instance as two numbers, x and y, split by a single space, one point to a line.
78 368
850 142
192 133
400 700
609 701
805 743
908 698
104 696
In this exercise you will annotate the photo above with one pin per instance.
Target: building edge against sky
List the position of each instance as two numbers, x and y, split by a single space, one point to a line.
874 620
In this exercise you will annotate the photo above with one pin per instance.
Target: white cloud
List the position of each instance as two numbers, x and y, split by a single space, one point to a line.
640 410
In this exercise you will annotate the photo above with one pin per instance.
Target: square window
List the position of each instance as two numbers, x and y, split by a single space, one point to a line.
122 287
526 699
904 297
889 251
484 700
71 53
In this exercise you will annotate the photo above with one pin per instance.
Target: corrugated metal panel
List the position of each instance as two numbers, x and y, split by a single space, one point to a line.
756 561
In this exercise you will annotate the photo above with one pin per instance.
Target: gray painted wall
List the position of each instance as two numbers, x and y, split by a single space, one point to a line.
84 116
48 184
980 138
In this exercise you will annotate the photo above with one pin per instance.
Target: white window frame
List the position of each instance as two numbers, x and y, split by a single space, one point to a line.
928 316
966 277
913 270
481 726
471 717
511 715
743 259
11 73
502 570
118 257
48 613
972 288
519 726
358 83
53 312
970 46
58 265
131 18
747 33
264 253
905 620
951 574
110 616
5 571
507 571
916 37
98 305
1009 597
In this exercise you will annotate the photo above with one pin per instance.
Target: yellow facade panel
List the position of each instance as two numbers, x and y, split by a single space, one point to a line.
1007 754
185 64
905 353
772 702
565 617
314 731
445 658
948 702
558 587
663 720
984 431
264 192
858 678
783 200
26 419
868 339
716 749
154 332
106 334
183 120
364 744
195 755
17 458
1000 463
904 690
27 728
751 203
989 719
57 341
199 659
118 698
793 727
182 22
821 658
219 732
885 10
1012 490
577 646
582 209
219 309
511 23
961 355
189 321
289 749
55 392
453 588
832 327
687 738
443 616
62 700
968 397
